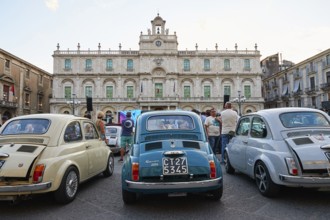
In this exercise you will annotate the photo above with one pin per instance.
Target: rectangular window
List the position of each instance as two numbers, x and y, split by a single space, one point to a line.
89 91
7 63
129 65
27 100
41 78
247 64
27 74
67 64
186 91
186 65
207 91
39 103
88 65
226 90
328 60
109 65
130 92
67 92
207 65
109 92
247 91
158 90
312 82
227 64
314 101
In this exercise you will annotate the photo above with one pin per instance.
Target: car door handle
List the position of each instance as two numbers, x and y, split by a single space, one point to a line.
88 146
245 142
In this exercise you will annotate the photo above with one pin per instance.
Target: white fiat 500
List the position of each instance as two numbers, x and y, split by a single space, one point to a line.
50 153
282 147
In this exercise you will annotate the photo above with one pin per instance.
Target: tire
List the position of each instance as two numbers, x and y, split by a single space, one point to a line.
68 189
264 182
110 166
228 167
128 197
216 194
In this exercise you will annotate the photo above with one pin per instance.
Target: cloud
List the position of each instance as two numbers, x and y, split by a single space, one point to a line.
52 4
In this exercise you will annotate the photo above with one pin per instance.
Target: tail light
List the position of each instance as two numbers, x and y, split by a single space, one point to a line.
38 173
292 167
213 173
135 171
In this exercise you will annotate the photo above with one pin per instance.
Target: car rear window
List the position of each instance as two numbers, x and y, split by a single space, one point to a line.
27 126
304 119
170 122
111 130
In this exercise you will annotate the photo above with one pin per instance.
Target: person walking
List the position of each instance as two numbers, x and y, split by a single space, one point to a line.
126 135
228 120
212 127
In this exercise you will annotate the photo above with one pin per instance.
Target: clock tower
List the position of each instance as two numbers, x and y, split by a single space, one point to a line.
158 40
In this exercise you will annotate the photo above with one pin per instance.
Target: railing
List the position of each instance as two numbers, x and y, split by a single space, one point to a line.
136 52
5 103
311 90
325 86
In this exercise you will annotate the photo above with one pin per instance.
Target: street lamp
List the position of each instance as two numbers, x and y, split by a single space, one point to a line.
73 102
239 101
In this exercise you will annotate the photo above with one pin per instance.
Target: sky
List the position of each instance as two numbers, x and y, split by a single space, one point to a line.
31 29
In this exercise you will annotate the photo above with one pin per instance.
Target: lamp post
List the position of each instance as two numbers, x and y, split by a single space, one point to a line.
239 101
73 102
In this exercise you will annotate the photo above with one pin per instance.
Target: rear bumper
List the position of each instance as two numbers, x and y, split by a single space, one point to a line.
174 185
305 181
25 188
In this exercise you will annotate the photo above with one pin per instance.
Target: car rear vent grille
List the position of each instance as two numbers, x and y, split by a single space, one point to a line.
307 133
27 148
301 141
176 178
170 136
153 146
190 144
316 173
21 140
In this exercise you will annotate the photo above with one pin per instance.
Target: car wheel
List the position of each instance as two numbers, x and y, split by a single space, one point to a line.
67 191
110 166
264 182
216 194
228 167
128 197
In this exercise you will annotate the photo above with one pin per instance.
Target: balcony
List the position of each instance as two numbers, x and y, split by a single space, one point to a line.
7 104
325 86
312 90
274 85
285 97
298 93
297 76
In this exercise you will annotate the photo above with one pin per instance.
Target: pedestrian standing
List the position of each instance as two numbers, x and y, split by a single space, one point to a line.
212 127
100 125
229 120
126 135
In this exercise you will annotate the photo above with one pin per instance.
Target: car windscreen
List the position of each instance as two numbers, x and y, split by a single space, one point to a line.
26 126
111 130
304 119
170 122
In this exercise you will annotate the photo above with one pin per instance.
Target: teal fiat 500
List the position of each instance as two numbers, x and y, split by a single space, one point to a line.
170 155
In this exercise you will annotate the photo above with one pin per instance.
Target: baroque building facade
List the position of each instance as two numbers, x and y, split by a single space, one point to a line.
305 84
158 76
24 87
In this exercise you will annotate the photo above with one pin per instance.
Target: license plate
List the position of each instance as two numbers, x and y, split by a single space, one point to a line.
2 162
175 166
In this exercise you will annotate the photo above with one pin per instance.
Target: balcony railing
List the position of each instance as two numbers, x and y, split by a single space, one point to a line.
325 86
7 104
311 90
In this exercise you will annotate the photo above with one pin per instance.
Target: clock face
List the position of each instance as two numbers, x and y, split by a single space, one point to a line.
158 43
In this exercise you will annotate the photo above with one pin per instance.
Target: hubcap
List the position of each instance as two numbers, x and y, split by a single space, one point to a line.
71 184
261 178
111 162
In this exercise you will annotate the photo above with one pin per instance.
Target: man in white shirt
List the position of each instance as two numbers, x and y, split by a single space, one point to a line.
229 120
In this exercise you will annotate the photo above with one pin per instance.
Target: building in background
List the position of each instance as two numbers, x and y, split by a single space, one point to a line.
156 77
306 84
24 87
